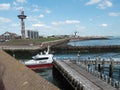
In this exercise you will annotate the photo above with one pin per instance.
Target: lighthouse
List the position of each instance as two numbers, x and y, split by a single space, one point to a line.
22 17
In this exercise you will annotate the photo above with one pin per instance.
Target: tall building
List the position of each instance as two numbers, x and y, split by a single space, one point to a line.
22 17
31 34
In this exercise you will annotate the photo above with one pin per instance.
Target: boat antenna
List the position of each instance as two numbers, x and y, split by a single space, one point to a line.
48 49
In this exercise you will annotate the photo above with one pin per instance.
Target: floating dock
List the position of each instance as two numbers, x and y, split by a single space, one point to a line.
78 78
16 76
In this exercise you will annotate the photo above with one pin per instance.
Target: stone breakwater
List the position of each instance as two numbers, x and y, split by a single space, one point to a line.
92 49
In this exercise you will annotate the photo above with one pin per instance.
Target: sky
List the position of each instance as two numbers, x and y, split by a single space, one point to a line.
62 17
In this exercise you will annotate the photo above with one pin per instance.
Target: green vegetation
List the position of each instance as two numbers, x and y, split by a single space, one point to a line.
30 41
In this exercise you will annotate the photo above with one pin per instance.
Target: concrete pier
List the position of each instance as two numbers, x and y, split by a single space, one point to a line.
16 76
41 46
78 78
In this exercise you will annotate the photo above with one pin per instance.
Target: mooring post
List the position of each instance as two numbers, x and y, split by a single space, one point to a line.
111 68
88 64
96 62
106 79
78 55
103 64
99 68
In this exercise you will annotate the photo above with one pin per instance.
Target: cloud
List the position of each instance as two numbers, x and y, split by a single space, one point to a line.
66 22
19 8
38 25
15 25
114 14
4 20
105 4
41 25
48 11
5 6
41 16
78 27
35 8
101 4
91 2
21 1
35 18
103 25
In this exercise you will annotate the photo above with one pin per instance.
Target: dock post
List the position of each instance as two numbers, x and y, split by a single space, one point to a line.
96 64
106 79
99 68
110 81
78 55
103 64
111 68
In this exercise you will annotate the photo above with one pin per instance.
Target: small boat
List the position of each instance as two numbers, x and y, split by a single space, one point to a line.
40 61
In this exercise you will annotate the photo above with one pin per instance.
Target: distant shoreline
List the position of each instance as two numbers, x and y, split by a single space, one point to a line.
88 38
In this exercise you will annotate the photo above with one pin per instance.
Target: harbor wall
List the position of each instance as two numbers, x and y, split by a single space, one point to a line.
16 76
86 49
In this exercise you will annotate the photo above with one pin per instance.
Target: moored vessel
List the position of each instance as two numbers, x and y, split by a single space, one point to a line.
40 60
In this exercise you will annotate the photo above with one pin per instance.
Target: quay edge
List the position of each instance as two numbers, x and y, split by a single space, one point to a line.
16 76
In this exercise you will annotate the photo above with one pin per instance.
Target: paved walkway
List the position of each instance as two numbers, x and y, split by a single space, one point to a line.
15 76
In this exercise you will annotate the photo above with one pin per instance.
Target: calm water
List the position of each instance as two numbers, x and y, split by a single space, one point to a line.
110 41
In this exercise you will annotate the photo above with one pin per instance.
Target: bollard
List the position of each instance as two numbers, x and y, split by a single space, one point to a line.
99 68
110 81
118 85
98 74
106 79
103 64
83 87
111 67
103 77
96 64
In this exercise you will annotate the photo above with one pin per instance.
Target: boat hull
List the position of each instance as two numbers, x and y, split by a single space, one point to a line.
40 66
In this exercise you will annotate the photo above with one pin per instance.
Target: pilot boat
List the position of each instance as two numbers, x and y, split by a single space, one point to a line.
40 61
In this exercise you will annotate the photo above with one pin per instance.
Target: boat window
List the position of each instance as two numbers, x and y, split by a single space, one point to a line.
41 58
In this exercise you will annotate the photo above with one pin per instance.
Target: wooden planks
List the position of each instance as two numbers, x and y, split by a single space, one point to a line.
80 76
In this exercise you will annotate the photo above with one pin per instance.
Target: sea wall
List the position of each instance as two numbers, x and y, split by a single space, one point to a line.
86 49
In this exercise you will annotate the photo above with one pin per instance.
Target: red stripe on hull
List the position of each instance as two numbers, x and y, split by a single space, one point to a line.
40 66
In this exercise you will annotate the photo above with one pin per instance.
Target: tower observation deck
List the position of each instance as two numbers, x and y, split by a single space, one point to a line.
22 17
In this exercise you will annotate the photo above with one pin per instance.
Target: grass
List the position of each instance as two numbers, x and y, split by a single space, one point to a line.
29 41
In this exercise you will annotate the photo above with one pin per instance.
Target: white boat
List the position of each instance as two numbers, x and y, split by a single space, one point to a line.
40 60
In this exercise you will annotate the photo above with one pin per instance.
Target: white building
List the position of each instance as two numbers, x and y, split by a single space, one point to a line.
31 34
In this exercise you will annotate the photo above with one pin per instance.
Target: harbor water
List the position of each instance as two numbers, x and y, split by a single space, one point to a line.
100 42
47 73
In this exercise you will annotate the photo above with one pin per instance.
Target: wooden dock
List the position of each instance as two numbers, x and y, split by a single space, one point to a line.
16 76
78 78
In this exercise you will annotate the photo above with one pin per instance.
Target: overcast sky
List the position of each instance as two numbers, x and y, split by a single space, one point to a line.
62 17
